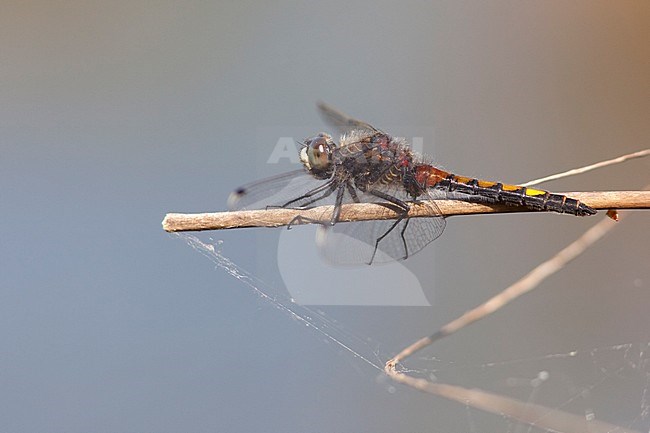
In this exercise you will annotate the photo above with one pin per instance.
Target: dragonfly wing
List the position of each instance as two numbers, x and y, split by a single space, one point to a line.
274 191
341 121
292 190
380 241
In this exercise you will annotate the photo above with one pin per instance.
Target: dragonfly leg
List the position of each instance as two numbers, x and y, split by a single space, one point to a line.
327 189
299 219
352 192
406 250
335 215
337 205
402 209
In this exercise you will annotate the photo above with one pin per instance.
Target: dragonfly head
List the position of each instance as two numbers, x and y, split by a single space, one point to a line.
316 155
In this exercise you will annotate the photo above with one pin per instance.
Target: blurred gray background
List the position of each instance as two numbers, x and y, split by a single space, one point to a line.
115 113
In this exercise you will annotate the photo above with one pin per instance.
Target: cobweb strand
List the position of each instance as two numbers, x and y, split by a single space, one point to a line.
297 312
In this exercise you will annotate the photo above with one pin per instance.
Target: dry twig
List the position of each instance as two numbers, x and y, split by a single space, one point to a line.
587 168
532 414
176 222
524 285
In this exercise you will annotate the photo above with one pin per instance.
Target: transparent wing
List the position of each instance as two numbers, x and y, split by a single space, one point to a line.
341 121
293 190
273 191
380 241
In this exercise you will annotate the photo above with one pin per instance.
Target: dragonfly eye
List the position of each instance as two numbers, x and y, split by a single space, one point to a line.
317 153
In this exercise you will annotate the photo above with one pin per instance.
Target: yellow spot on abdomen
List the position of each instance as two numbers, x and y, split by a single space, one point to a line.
534 192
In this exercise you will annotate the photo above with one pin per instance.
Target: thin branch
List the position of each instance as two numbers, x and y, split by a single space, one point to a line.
176 222
536 415
524 285
587 168
532 414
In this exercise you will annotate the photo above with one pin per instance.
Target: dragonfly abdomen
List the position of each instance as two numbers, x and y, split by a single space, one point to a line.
497 192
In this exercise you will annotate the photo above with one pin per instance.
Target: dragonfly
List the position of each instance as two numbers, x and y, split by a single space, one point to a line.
367 165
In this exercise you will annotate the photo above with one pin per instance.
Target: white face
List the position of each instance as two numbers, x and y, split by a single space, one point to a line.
316 156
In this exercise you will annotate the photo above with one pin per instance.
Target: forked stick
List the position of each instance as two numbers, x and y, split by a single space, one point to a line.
532 414
524 285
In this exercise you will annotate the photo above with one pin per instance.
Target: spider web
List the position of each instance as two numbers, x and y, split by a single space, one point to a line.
316 320
610 383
